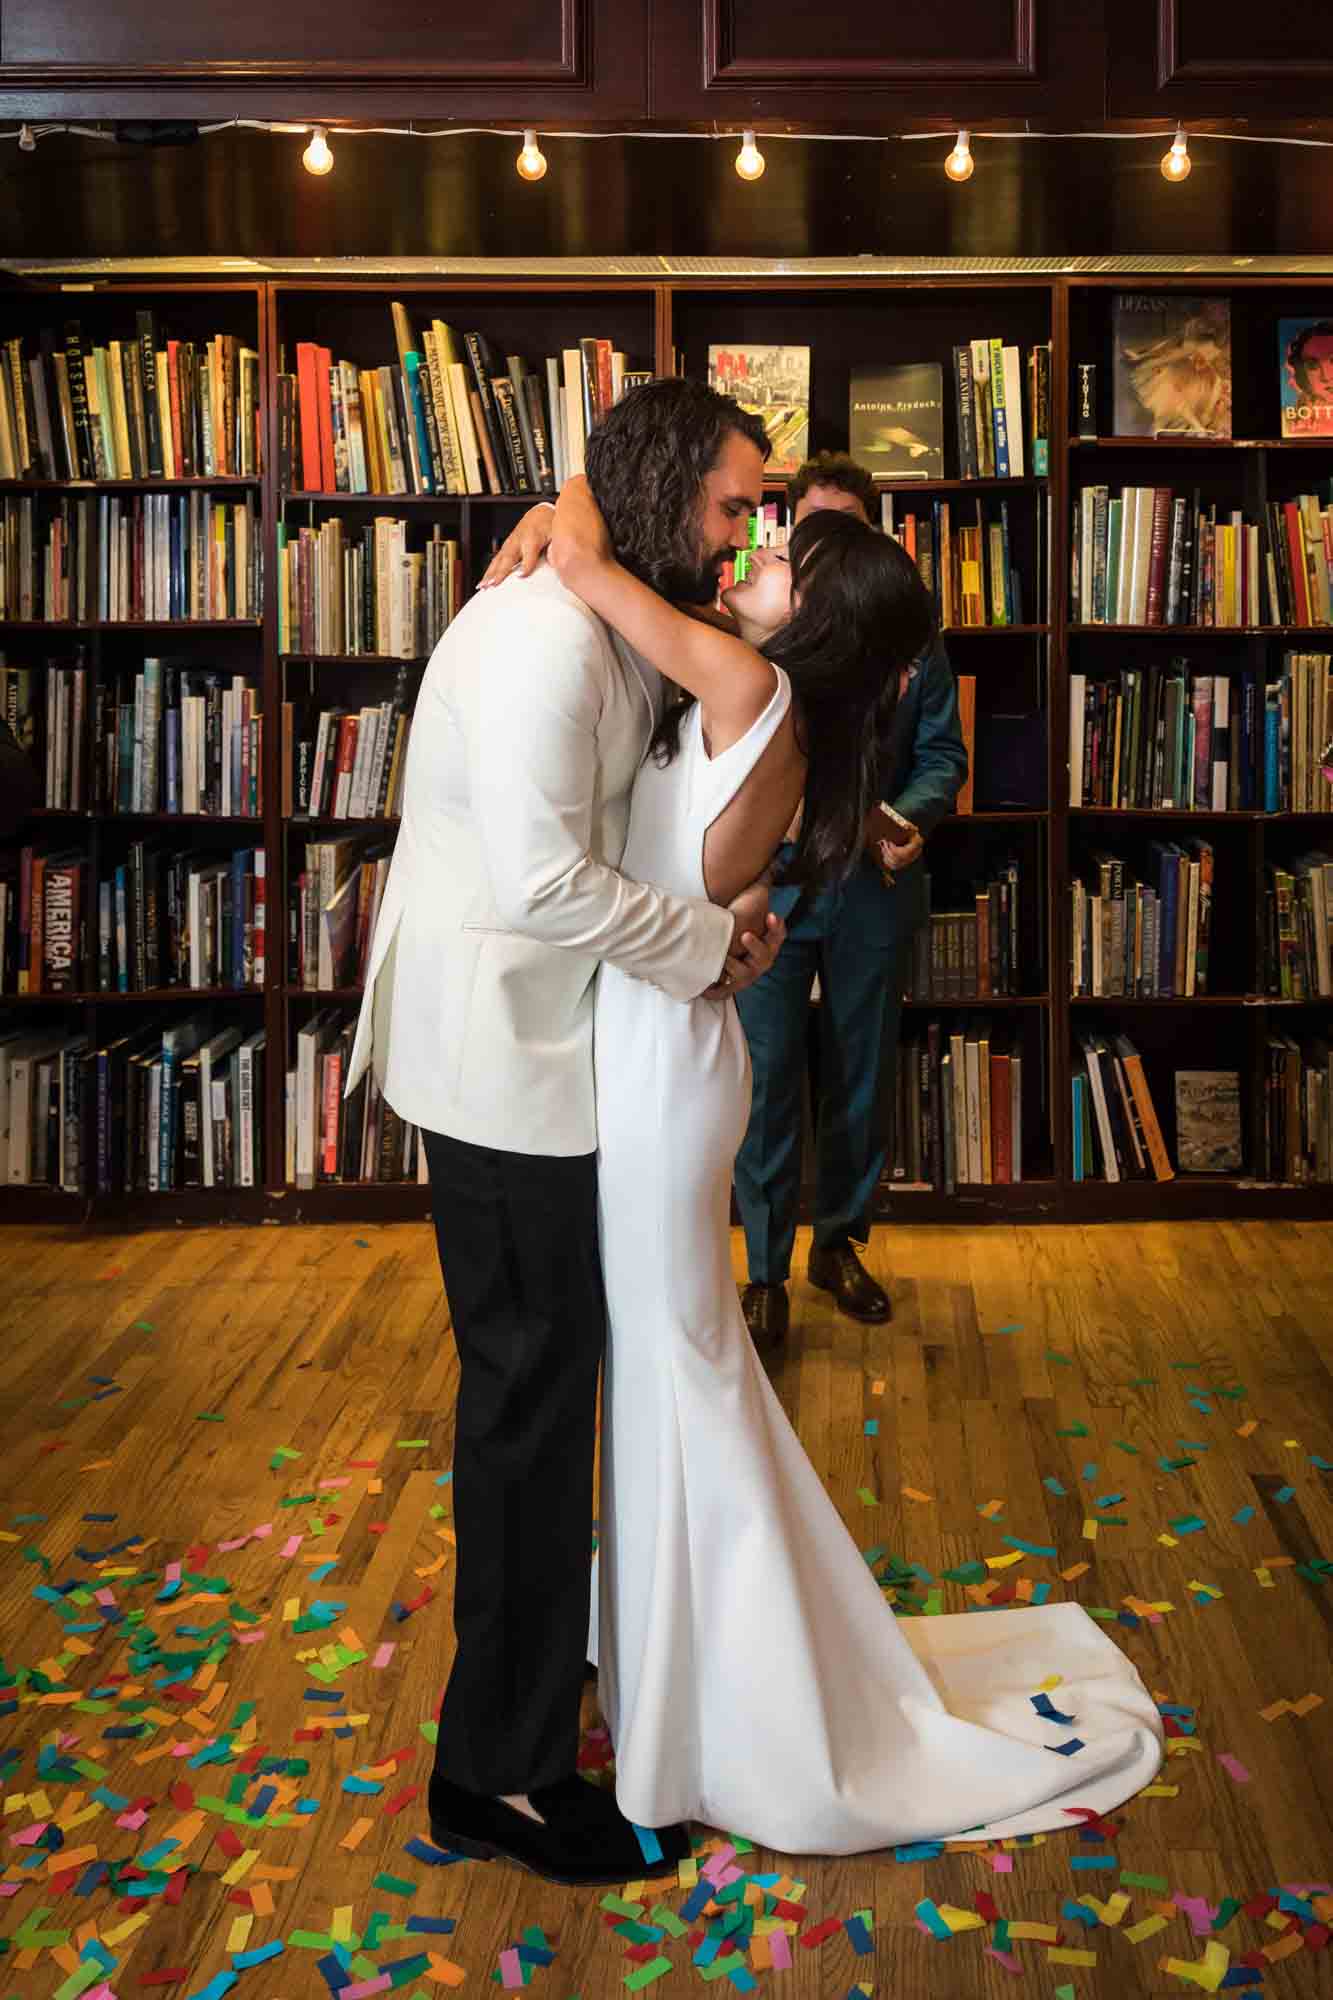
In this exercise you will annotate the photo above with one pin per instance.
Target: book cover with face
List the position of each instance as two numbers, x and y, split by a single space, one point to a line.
1305 362
1171 365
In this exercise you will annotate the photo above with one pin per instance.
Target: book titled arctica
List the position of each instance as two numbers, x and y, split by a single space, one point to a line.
773 382
1305 357
1171 365
897 420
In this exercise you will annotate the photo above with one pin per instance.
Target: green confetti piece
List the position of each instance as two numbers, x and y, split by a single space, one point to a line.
394 1885
1157 1882
144 1326
719 1968
618 1907
1120 1445
644 1975
1063 1360
970 1572
310 1940
1075 1431
1064 1993
1144 1382
413 1444
669 1922
869 1499
209 1417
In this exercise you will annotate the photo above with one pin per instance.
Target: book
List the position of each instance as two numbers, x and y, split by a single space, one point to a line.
897 420
1171 364
774 384
1305 363
1208 1130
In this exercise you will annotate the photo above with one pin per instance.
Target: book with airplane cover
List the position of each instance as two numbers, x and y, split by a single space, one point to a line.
897 420
1171 365
773 382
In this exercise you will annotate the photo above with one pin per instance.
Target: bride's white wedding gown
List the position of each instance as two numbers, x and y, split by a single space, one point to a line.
751 1674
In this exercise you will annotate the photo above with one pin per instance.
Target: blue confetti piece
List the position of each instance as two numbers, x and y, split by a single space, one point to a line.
1320 1464
649 1845
1066 1749
1028 1548
1015 1326
1175 1708
434 1857
1052 1485
1088 1862
862 1941
366 1788
1046 1707
1089 1470
95 1872
701 1893
321 1570
743 1979
431 1926
95 1949
220 1983
1284 1493
919 1850
1040 1593
99 1517
244 1960
872 1427
1077 1913
419 1963
1108 1499
261 1802
1192 1444
334 1974
1243 1514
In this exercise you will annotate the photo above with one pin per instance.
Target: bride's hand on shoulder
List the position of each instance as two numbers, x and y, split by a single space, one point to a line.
523 547
579 537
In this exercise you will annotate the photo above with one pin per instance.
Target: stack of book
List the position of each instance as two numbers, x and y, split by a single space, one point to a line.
1115 1129
167 1105
959 1109
340 763
967 567
1296 1105
449 418
45 707
334 903
133 409
988 399
1298 929
1143 940
1150 557
146 557
365 591
177 738
332 1138
185 919
970 954
1162 738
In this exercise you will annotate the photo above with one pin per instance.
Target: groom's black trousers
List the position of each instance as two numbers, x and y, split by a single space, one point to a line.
517 1235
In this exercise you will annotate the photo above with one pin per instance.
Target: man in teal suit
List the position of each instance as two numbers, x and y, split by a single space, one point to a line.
857 940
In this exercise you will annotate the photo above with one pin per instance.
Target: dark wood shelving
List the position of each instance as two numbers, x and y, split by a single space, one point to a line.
1227 1029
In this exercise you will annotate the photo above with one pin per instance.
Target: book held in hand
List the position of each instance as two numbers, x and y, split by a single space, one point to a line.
1305 359
897 420
1171 365
774 383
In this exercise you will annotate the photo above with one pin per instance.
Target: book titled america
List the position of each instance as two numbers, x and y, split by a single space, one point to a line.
1305 359
774 383
1171 365
897 420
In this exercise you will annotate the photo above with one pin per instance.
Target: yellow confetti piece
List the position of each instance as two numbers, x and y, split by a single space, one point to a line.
687 1874
912 1493
238 1935
6 1536
291 1610
1090 1528
960 1920
1005 1561
1160 1792
1042 1933
1277 1920
1051 1680
1062 1955
341 1927
431 1569
1207 1972
1114 1908
241 1867
1292 1444
1265 1577
634 1892
1169 1541
1184 1746
127 1929
1145 1928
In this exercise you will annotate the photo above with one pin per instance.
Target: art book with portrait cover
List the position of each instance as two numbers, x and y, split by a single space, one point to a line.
774 382
1305 362
1171 365
897 420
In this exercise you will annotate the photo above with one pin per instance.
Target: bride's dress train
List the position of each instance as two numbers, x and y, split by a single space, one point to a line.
750 1673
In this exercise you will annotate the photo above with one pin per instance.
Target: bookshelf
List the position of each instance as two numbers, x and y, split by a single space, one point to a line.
1019 669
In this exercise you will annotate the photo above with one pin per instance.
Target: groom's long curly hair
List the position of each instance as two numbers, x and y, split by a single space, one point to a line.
646 462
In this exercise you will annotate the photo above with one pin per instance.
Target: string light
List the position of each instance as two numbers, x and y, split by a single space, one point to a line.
960 165
749 160
1176 164
27 139
532 160
317 157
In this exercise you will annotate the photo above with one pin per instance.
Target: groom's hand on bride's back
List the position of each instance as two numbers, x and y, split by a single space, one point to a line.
756 941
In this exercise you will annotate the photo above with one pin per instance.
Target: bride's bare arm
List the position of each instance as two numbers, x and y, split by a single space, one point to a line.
732 682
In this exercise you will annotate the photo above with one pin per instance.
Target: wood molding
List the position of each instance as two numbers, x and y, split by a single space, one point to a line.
1175 68
725 70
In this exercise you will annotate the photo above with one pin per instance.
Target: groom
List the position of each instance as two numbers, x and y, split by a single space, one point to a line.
502 900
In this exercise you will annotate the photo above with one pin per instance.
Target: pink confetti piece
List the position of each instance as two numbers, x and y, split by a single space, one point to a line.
715 1863
262 1532
1233 1766
327 1485
106 1596
132 1821
8 1889
384 1653
251 1638
1006 1958
289 1548
225 1548
779 1950
173 1573
511 1967
1003 1864
30 1835
1199 1912
366 1987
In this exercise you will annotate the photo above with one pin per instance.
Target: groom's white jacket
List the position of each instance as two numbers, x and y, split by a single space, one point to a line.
503 895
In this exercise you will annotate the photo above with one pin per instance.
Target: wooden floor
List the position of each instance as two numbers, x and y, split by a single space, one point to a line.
289 1392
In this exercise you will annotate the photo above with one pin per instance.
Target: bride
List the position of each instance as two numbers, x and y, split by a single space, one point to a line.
750 1673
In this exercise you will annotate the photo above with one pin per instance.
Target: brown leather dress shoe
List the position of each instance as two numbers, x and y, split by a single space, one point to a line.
767 1314
839 1270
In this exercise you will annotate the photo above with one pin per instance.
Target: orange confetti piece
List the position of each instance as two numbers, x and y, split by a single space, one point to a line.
355 1834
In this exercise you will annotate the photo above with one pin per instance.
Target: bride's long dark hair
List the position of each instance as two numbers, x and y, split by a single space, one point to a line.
861 613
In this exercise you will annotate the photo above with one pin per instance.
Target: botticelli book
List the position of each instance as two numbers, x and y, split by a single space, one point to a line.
773 383
1171 365
1305 362
897 420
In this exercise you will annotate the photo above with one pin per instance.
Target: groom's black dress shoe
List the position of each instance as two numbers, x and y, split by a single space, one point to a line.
767 1314
839 1270
582 1837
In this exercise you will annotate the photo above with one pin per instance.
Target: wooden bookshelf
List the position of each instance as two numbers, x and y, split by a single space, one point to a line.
845 321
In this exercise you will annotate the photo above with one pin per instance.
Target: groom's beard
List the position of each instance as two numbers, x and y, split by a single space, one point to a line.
693 586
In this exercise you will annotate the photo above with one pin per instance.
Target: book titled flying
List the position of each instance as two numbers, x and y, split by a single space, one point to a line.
1305 361
897 420
773 383
1171 365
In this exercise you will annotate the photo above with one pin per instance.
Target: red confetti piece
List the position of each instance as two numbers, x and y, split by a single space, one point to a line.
173 1975
641 1953
416 1603
228 1842
401 1799
782 1908
378 1527
1259 1906
1316 1937
62 1884
241 1896
820 1933
306 1735
181 1796
176 1887
986 1907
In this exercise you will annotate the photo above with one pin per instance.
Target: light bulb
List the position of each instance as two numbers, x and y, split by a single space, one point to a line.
960 165
27 139
531 161
317 157
1176 163
749 160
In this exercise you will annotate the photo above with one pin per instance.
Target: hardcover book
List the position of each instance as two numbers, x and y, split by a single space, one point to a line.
1305 360
1208 1137
1171 365
773 382
897 420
